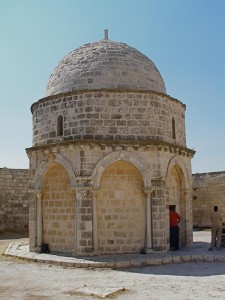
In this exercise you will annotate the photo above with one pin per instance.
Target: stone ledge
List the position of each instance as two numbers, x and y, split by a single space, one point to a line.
21 251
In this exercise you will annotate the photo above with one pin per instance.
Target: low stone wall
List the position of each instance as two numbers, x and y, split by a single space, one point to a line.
14 200
208 190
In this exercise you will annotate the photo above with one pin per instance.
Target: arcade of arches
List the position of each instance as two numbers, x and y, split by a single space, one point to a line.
120 215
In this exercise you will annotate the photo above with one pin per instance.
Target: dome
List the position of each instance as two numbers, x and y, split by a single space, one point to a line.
105 65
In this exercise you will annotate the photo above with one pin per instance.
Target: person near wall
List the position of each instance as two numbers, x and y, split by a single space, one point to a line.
174 228
216 229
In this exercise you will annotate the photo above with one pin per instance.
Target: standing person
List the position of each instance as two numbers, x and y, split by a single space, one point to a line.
216 230
174 228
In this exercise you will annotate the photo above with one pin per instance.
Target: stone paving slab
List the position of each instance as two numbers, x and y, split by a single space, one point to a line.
100 292
196 252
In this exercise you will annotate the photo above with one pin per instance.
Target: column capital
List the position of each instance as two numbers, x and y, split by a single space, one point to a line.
38 193
73 191
95 191
147 191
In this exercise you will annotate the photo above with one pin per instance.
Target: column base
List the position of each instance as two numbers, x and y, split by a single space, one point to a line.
37 249
149 250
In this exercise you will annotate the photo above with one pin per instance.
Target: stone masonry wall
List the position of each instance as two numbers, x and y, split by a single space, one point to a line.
107 115
14 200
208 190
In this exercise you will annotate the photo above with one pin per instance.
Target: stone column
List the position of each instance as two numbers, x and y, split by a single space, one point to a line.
73 193
39 219
32 219
94 221
149 245
187 198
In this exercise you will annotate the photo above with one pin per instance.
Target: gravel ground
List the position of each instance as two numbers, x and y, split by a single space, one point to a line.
22 280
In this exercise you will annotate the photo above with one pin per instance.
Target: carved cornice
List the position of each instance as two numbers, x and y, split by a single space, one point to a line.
155 145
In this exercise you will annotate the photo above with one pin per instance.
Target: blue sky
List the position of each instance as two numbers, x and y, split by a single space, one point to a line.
184 38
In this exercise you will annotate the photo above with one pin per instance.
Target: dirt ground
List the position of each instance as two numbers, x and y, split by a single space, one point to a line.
35 281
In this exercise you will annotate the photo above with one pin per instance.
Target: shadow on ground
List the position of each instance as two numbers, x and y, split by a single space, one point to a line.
12 236
194 269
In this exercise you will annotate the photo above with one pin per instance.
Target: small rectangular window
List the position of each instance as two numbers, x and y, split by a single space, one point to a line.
173 129
60 125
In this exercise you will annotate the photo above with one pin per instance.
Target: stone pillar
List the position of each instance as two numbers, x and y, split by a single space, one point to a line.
149 245
84 217
159 216
39 219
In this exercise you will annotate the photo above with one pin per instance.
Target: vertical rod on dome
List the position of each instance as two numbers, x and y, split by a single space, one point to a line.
106 34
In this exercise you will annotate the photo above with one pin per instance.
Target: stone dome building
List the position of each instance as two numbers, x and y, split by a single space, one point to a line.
108 157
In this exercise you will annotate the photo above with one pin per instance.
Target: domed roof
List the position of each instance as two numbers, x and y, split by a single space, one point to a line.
105 65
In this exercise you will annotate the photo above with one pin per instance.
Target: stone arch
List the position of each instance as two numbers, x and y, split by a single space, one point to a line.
182 170
121 209
178 183
58 210
44 166
124 155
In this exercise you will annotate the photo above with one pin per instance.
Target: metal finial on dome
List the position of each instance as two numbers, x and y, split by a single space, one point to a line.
106 34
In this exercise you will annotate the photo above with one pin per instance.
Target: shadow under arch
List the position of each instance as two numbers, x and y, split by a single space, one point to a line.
179 165
123 155
178 183
44 166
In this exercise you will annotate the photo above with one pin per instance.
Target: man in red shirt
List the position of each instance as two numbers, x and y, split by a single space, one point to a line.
174 228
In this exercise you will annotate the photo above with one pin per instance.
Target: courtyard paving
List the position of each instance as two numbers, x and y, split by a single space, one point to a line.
193 273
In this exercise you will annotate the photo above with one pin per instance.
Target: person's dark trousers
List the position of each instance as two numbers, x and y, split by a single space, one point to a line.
174 237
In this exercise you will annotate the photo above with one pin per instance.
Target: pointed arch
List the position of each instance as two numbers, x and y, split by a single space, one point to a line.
44 166
58 210
124 155
182 171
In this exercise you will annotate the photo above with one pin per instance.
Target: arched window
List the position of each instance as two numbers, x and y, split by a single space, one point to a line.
60 125
173 129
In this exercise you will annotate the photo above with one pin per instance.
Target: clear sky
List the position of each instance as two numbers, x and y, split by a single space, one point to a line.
184 38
